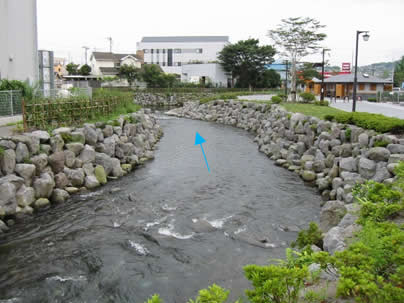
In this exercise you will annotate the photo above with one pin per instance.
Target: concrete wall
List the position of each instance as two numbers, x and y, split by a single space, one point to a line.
18 40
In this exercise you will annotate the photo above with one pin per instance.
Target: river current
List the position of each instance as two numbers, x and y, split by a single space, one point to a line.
170 227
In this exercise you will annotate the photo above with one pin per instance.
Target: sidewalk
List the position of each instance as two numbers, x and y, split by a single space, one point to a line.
6 131
387 109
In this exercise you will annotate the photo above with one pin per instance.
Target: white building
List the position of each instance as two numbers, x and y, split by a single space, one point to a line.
187 56
18 40
108 64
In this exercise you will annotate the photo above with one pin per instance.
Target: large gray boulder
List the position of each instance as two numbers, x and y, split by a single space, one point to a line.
75 147
367 168
7 144
70 158
382 173
396 148
331 214
26 171
108 131
378 154
21 152
57 143
40 162
61 180
25 196
75 176
90 134
7 161
8 201
42 135
44 186
59 195
348 164
363 140
91 182
109 146
87 155
309 175
105 161
334 240
57 161
78 136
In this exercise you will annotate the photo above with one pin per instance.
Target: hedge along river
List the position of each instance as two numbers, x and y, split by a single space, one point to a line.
171 227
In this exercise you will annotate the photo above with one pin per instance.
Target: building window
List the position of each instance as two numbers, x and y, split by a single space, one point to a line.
178 63
164 51
199 50
177 51
157 51
152 51
146 51
372 86
164 64
361 86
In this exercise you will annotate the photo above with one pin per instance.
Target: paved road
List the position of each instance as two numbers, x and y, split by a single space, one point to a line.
6 131
387 109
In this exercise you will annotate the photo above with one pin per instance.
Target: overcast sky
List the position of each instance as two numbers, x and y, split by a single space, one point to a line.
64 26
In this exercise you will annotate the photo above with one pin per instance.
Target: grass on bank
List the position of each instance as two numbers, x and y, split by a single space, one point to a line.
311 109
235 95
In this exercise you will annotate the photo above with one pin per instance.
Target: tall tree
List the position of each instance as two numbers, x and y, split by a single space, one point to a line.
72 69
399 73
246 60
129 72
84 70
297 38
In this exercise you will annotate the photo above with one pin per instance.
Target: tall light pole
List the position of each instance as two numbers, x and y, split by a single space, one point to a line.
86 48
110 44
365 38
322 75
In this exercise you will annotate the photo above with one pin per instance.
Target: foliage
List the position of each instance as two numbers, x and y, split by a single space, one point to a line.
67 137
275 283
307 97
329 117
26 89
72 69
308 72
312 235
213 294
297 38
276 99
372 99
154 299
129 72
348 133
376 122
399 73
246 61
268 79
84 70
381 143
1 151
109 78
154 76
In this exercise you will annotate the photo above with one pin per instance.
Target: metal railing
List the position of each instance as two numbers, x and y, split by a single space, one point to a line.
395 97
10 103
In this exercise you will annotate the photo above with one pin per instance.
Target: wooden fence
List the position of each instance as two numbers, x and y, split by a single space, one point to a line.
42 113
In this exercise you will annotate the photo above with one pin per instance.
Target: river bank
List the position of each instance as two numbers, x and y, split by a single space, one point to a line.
38 168
333 156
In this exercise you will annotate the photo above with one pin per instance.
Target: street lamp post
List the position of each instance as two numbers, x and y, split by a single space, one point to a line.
365 38
322 78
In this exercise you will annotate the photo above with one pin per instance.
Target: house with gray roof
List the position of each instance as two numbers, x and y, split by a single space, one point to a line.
341 86
172 53
108 64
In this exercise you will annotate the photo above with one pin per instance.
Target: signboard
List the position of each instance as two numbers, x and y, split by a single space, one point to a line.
346 67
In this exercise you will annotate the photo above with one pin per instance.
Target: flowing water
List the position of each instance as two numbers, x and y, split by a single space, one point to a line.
171 227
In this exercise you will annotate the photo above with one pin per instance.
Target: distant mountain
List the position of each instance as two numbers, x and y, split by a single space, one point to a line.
382 69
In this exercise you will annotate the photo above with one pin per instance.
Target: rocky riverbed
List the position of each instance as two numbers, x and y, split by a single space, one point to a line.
38 168
334 157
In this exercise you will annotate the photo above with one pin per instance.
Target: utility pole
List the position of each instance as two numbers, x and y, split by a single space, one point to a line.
110 44
86 48
365 38
322 75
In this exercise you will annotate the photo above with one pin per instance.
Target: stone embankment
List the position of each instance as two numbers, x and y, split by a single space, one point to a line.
37 169
333 156
167 99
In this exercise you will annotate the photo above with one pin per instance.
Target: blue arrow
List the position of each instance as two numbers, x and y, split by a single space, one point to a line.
200 140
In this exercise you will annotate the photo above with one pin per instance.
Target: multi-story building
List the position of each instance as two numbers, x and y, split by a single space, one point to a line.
173 53
18 40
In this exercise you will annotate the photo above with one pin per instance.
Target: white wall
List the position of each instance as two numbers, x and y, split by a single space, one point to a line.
213 71
95 66
188 53
131 61
18 40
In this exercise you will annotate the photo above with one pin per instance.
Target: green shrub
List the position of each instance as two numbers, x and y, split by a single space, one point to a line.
372 99
348 133
67 138
307 97
275 284
376 122
154 299
329 117
1 151
312 235
276 99
213 294
321 103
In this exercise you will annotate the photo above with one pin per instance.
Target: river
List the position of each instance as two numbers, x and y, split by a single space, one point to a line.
170 227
